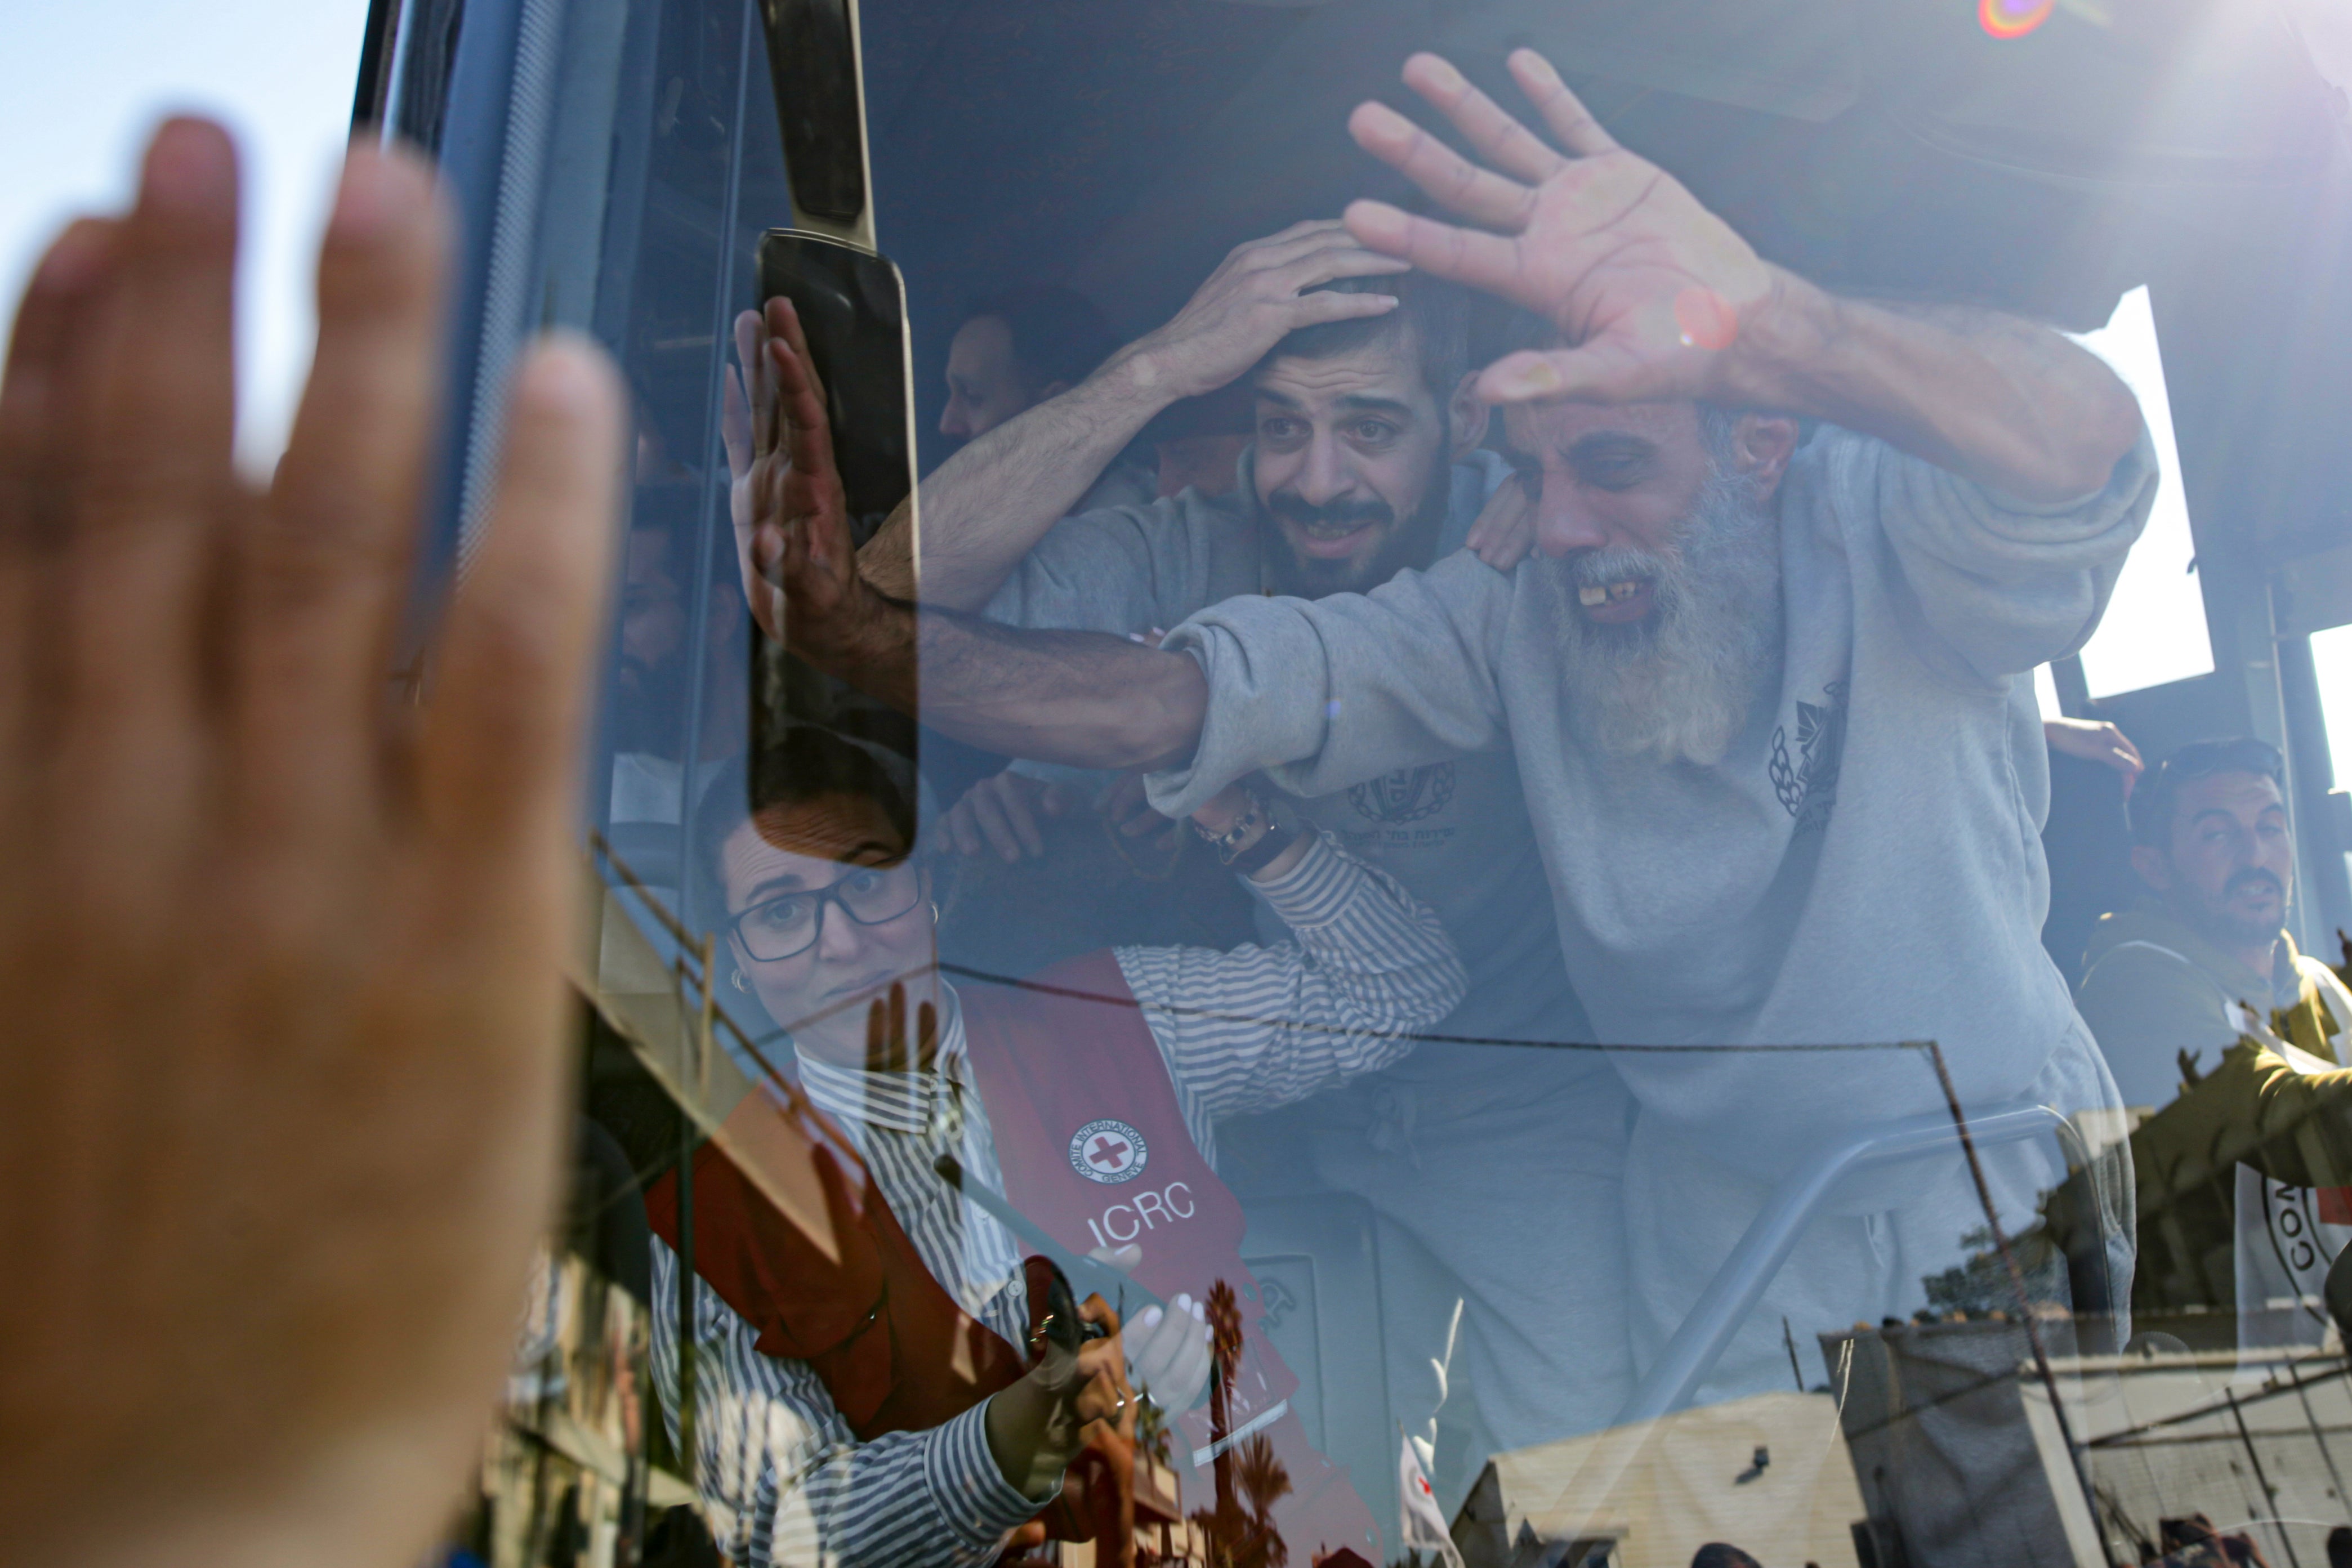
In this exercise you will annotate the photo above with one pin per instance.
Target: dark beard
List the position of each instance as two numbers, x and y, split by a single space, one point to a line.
2217 923
1677 685
1414 545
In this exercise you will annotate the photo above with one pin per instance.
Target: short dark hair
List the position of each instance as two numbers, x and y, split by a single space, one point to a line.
1058 335
1722 1554
807 765
1435 312
2156 801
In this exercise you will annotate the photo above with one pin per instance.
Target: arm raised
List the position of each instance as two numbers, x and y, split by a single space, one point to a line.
1660 301
1078 697
991 502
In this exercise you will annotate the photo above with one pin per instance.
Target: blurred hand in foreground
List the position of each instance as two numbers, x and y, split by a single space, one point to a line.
280 1084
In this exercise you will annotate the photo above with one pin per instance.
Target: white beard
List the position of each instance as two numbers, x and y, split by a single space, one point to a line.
1677 686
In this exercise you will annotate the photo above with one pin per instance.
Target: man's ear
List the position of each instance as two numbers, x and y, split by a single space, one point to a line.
1466 417
1761 446
2155 867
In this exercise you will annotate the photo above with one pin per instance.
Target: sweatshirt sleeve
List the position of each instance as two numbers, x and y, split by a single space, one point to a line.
1324 694
1117 570
1259 1027
2000 585
772 1449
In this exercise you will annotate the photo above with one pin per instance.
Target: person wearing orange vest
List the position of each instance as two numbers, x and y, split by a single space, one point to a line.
1085 1099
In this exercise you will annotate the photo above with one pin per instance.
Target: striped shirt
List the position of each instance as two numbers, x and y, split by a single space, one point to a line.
1241 1030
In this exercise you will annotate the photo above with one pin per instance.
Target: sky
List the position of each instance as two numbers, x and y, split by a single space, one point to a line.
82 81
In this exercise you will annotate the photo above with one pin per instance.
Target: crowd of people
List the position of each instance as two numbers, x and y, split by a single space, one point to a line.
1587 670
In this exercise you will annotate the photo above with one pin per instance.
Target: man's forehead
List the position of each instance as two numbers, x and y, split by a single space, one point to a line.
1383 372
1536 429
2237 792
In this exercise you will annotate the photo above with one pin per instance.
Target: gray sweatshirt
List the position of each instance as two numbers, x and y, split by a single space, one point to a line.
1534 1264
1864 865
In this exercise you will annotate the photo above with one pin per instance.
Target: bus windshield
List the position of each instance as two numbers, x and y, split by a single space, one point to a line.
1402 784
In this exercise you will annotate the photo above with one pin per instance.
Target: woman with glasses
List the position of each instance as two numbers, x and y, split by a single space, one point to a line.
1085 1099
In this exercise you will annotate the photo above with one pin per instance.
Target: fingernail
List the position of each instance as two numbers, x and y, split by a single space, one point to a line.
190 167
1150 1318
1182 1302
1440 73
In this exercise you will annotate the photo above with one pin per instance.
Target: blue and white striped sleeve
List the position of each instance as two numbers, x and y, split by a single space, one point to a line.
792 1484
1260 1027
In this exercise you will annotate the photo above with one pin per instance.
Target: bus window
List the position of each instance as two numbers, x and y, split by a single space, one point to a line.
1323 834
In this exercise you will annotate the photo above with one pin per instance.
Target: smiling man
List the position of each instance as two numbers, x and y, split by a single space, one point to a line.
1364 461
2177 975
1770 701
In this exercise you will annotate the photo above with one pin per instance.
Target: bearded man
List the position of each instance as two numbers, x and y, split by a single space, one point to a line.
1770 701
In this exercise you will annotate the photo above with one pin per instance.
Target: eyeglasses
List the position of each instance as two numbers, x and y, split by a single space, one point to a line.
787 927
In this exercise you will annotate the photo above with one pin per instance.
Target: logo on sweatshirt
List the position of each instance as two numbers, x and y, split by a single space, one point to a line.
1407 795
1108 1150
1807 784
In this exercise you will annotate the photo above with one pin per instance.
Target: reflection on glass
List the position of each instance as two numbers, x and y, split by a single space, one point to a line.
1417 908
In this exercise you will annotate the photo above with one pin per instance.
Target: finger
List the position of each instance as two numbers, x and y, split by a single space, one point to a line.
759 388
1464 255
1123 1259
1326 265
784 321
1023 824
1562 111
988 810
735 423
153 462
1479 194
324 570
895 1047
1094 1310
1308 251
961 833
806 434
502 741
1497 136
48 367
1310 310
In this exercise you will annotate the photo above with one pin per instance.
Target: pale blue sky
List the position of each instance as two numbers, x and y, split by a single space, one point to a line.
81 82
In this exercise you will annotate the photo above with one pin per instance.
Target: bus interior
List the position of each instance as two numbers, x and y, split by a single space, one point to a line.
1923 1327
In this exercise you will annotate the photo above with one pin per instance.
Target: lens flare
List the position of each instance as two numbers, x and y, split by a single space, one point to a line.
2012 18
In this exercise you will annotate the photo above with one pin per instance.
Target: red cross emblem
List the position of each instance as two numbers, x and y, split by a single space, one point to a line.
1108 1150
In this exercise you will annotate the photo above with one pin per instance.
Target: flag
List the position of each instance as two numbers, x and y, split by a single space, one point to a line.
1422 1526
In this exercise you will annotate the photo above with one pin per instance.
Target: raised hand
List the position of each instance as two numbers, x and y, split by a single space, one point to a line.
793 542
1257 296
1648 288
280 1092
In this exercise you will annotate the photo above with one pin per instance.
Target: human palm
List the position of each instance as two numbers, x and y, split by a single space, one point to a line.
1647 288
798 558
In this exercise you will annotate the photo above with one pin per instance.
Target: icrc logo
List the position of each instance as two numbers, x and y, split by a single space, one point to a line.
1108 1150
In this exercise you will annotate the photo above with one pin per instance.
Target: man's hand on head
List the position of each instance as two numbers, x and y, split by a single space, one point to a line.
280 1109
1647 285
1258 296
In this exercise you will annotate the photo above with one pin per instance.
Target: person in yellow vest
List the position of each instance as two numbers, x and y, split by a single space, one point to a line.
2205 958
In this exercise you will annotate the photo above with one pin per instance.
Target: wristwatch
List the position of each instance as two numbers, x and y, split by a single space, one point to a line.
1252 842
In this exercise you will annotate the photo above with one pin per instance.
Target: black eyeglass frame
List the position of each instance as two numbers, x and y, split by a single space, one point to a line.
828 894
